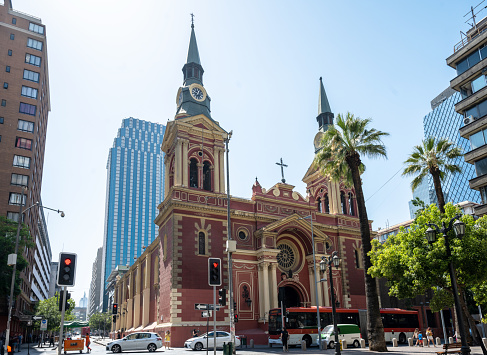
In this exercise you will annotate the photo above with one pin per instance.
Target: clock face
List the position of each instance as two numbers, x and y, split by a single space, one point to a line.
318 139
197 94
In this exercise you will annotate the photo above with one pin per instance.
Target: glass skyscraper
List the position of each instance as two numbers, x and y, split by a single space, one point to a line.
444 122
135 186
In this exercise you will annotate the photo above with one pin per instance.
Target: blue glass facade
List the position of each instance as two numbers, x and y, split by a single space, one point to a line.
135 186
444 122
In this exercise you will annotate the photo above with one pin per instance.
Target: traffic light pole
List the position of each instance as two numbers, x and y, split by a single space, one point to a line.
214 320
61 326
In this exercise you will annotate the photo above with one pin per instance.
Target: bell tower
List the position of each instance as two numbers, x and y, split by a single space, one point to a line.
194 142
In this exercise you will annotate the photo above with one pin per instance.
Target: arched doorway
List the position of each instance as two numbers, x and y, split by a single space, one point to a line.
292 297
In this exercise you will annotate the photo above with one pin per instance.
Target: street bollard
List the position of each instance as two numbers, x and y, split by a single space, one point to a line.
484 340
362 343
303 344
438 341
394 342
450 340
344 344
410 341
251 343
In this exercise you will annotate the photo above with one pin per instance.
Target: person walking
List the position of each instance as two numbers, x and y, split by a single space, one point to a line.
195 333
88 342
429 337
284 339
19 343
415 336
167 340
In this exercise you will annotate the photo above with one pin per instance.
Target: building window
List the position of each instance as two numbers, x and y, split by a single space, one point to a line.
19 180
27 109
23 143
14 21
32 43
12 36
1 120
25 126
5 85
201 243
343 202
483 194
479 54
193 173
14 199
33 59
351 206
7 68
36 28
358 259
29 92
10 52
21 162
242 235
327 204
31 75
206 176
13 216
4 102
318 204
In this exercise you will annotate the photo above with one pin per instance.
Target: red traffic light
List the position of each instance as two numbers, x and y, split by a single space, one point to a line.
67 261
215 265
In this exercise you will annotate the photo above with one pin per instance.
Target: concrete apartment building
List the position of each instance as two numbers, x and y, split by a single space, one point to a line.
96 283
24 109
469 60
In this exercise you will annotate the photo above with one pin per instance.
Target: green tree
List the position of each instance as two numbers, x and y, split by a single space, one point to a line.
412 266
340 157
49 309
8 231
433 157
101 321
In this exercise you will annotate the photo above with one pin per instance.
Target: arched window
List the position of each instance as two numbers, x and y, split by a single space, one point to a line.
318 203
193 173
327 204
358 259
343 202
201 243
206 176
351 205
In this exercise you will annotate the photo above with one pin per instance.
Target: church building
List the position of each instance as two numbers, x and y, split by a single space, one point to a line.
272 230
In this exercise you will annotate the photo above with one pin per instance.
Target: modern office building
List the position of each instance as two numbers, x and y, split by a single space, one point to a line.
469 60
96 283
444 122
24 110
53 286
83 302
135 186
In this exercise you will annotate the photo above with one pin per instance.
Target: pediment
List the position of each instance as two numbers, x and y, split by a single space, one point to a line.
293 221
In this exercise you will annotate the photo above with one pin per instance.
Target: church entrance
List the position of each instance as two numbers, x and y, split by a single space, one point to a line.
291 297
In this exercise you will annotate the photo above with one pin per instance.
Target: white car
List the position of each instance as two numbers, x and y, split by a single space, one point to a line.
199 343
136 341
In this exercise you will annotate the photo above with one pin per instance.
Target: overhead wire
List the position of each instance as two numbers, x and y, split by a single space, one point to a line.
402 166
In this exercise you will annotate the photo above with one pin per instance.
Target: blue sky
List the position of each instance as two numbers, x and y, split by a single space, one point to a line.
109 60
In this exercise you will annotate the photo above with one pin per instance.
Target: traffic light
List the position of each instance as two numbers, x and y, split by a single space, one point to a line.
115 308
114 319
235 318
60 303
214 272
234 306
66 270
222 300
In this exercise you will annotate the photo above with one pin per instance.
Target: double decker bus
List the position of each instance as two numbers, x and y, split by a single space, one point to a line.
301 323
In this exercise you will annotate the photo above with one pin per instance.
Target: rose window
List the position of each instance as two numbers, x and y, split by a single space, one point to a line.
286 257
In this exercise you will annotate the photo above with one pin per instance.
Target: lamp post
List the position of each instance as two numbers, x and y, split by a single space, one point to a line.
316 281
459 229
14 271
333 260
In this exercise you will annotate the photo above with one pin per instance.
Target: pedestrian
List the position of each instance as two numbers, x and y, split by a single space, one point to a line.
195 333
19 343
415 336
167 340
13 342
88 342
284 339
118 335
420 338
429 337
51 340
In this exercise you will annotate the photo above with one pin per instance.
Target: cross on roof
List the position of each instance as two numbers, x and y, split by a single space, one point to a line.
192 20
282 170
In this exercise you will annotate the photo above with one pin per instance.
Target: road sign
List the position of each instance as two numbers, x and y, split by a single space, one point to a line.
44 324
25 318
37 317
205 307
206 314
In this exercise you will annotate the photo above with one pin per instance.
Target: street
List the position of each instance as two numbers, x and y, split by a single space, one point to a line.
99 348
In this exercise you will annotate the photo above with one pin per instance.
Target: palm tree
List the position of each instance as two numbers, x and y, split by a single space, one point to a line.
433 157
339 157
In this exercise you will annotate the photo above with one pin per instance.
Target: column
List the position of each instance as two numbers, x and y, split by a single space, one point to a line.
312 285
185 163
222 171
320 286
216 171
274 285
261 291
326 287
177 164
166 175
267 304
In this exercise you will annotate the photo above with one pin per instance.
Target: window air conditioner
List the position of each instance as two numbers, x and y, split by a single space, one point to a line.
468 120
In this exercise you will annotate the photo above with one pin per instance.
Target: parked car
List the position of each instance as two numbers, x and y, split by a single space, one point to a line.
348 332
199 343
136 341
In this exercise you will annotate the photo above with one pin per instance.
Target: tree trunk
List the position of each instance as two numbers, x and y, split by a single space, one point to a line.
435 172
375 328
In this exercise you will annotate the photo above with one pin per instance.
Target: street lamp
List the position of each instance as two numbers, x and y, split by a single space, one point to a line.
459 229
14 271
333 260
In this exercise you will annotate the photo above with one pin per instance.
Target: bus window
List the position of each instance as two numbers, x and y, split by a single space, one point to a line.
275 324
325 319
348 318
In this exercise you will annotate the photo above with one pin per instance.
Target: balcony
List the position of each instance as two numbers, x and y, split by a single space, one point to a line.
467 130
465 48
480 210
476 154
468 75
472 100
478 182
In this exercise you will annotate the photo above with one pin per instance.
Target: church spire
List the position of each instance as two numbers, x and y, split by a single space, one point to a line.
192 70
325 116
193 54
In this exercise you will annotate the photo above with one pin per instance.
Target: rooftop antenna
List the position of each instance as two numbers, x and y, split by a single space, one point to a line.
474 14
